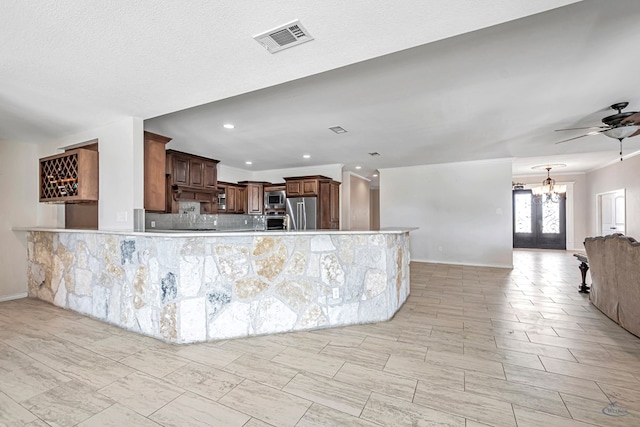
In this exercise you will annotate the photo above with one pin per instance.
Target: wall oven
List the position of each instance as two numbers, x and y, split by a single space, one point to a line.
274 222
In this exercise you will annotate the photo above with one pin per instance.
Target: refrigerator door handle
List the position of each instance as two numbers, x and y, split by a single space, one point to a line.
304 215
300 215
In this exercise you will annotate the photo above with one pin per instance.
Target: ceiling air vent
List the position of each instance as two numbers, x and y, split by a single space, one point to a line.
284 36
338 129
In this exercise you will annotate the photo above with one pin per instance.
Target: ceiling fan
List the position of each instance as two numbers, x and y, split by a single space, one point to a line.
618 126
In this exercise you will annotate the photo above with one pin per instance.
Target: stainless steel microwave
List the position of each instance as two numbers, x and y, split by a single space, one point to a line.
274 200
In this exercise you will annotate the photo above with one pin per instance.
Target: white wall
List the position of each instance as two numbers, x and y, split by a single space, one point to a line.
19 173
355 191
121 189
231 174
463 211
620 175
577 209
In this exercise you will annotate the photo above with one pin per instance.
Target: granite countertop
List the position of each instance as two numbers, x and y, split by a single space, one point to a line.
209 233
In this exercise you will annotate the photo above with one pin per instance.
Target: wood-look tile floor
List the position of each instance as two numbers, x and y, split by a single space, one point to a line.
471 347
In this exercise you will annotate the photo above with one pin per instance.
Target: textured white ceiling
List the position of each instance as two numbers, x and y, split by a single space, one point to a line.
470 80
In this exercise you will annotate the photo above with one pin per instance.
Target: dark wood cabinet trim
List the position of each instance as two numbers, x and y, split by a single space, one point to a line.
191 178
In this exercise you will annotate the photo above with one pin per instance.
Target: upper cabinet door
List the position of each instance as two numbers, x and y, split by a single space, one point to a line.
255 199
231 198
241 200
294 188
310 187
196 173
210 175
304 186
180 170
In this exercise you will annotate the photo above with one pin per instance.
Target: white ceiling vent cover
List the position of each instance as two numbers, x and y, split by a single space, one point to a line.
284 36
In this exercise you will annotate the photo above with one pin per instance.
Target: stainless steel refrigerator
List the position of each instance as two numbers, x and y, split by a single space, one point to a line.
303 213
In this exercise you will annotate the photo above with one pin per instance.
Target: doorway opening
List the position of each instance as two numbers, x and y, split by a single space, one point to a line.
539 222
611 212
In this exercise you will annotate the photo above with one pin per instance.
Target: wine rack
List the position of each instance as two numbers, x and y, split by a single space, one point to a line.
69 177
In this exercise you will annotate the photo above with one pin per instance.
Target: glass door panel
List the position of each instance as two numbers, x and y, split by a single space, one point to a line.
538 221
550 217
522 210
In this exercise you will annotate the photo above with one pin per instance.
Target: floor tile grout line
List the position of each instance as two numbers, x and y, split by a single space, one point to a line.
464 345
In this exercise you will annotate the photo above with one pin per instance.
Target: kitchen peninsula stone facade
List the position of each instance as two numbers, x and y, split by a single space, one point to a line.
209 286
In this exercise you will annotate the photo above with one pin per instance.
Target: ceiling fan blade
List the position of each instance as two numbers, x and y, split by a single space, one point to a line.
591 127
634 118
581 136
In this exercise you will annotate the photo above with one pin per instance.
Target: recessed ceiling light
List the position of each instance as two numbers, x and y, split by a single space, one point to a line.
375 175
338 129
306 156
248 162
358 167
228 126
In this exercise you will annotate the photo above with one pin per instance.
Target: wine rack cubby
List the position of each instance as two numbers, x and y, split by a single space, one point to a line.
69 177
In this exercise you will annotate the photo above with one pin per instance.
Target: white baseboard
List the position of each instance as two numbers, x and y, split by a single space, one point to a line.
14 296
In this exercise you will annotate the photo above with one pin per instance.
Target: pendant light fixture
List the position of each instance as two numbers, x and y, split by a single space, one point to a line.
549 190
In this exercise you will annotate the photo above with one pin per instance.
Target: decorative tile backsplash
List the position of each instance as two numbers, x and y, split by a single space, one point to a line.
190 218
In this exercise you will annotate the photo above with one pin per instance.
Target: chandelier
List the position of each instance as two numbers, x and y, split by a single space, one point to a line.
549 191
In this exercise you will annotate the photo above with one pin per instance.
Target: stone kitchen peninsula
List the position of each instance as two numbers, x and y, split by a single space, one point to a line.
201 286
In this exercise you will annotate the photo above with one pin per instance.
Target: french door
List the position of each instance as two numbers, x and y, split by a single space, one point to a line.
539 222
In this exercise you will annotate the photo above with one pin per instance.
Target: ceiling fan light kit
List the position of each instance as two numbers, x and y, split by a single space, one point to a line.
621 132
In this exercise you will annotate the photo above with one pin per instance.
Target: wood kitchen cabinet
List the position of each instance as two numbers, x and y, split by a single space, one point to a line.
196 173
191 170
179 168
69 177
303 186
334 219
329 204
326 190
231 197
155 158
241 199
254 198
191 178
274 187
211 174
203 173
245 197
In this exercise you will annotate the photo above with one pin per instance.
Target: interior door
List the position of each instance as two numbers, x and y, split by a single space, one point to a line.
538 222
612 213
